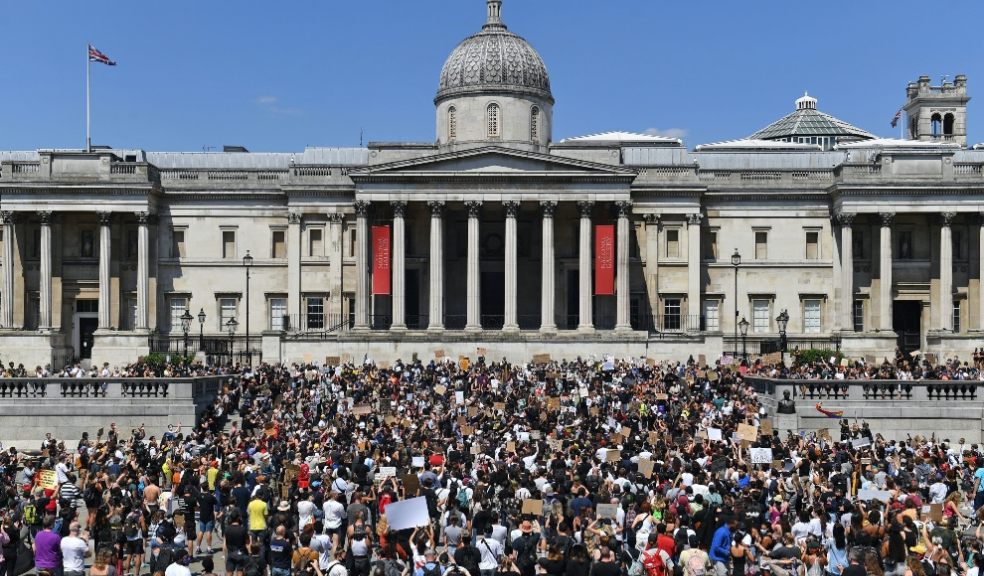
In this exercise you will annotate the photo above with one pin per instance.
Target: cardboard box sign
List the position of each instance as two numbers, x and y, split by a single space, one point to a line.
440 389
936 513
646 468
467 430
462 421
626 431
482 351
476 449
472 411
500 406
333 360
439 353
662 396
510 447
748 432
541 359
613 455
553 403
362 410
701 360
765 428
534 507
593 410
607 511
463 362
653 437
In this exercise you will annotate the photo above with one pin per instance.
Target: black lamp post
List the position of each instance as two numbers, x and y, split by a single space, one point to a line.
247 264
743 326
782 320
186 319
201 329
231 326
736 262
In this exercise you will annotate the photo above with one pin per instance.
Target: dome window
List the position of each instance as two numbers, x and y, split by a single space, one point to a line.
493 118
452 123
535 123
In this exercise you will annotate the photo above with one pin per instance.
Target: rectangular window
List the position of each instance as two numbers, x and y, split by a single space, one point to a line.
671 314
710 246
229 244
811 317
316 246
956 316
859 315
761 245
176 308
352 241
36 242
87 306
812 245
315 312
87 244
761 322
278 309
279 244
672 243
177 243
956 235
228 308
905 245
712 319
857 242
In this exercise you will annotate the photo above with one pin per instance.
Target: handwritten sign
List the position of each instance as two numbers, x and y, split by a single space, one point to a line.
613 455
760 455
748 432
48 479
607 511
534 507
646 468
362 410
765 427
386 472
541 359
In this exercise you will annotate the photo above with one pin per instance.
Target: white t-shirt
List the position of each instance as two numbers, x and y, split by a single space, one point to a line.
334 512
305 512
491 552
175 569
73 551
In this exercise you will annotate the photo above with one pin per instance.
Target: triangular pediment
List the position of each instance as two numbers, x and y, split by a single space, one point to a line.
493 160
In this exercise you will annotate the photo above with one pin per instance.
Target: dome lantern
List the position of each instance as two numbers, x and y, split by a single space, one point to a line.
806 102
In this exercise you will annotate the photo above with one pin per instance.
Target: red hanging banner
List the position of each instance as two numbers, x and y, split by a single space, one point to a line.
380 260
604 260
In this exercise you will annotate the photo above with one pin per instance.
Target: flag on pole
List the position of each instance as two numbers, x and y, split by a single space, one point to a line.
97 56
896 118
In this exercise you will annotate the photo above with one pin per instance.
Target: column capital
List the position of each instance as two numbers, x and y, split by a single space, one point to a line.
436 207
694 219
549 207
399 208
946 218
361 207
512 208
8 217
845 218
335 217
886 218
474 208
651 219
623 208
293 217
45 216
144 217
105 218
586 207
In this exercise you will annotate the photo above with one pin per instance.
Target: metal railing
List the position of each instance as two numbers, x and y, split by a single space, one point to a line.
217 349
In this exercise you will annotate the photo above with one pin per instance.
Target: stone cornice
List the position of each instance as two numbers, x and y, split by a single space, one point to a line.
573 163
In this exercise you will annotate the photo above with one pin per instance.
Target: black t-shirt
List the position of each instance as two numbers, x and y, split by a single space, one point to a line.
236 537
606 569
854 570
280 553
206 507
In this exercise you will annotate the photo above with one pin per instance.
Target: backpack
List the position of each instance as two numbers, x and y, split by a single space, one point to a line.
165 557
336 568
130 529
463 499
31 514
253 567
652 563
431 569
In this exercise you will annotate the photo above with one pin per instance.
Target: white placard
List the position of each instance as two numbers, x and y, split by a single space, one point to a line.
861 442
883 495
459 397
418 461
406 514
524 436
714 434
760 455
386 472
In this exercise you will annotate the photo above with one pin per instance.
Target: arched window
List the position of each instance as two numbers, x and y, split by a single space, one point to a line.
493 116
937 122
452 123
948 124
535 123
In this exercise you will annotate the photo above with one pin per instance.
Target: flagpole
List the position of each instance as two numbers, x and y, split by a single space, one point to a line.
88 141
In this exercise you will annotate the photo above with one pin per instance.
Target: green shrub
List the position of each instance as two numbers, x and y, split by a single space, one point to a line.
811 355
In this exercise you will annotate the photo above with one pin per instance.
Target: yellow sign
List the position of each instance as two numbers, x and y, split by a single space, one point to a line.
48 479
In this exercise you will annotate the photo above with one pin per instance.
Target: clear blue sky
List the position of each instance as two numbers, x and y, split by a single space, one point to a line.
281 76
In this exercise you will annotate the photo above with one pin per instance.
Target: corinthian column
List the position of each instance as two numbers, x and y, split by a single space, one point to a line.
361 265
105 263
946 271
586 297
694 311
436 314
399 266
622 321
143 270
846 219
474 298
547 296
885 273
44 282
510 323
7 296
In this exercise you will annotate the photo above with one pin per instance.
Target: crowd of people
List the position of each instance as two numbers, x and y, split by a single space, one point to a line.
587 467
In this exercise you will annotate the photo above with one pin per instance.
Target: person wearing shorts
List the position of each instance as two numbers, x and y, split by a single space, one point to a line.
236 545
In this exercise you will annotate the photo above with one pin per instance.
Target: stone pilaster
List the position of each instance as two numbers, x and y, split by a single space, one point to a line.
105 269
44 279
474 297
622 320
361 265
510 323
693 271
143 271
846 220
585 293
294 268
9 245
652 260
399 266
946 271
885 272
436 309
336 264
548 268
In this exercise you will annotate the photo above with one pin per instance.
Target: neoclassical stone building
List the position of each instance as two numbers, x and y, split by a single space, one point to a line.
496 239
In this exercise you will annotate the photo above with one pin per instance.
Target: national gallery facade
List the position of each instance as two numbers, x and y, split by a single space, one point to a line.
497 240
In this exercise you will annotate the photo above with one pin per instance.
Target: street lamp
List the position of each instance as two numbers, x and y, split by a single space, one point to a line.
782 320
736 262
186 319
247 264
743 326
201 329
231 326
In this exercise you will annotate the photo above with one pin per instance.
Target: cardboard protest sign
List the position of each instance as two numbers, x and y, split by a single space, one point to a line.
534 507
553 403
48 479
653 436
333 360
607 510
472 411
748 432
482 351
613 455
765 427
541 359
459 397
411 484
661 396
418 462
462 421
440 389
701 360
439 353
646 468
511 447
500 406
626 431
407 514
936 513
467 430
593 410
860 442
476 449
362 410
714 434
760 455
464 362
866 495
386 472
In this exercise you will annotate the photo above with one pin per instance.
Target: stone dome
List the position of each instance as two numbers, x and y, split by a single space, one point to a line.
494 60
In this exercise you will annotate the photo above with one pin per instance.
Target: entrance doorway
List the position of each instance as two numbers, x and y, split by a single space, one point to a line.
412 305
906 320
493 299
